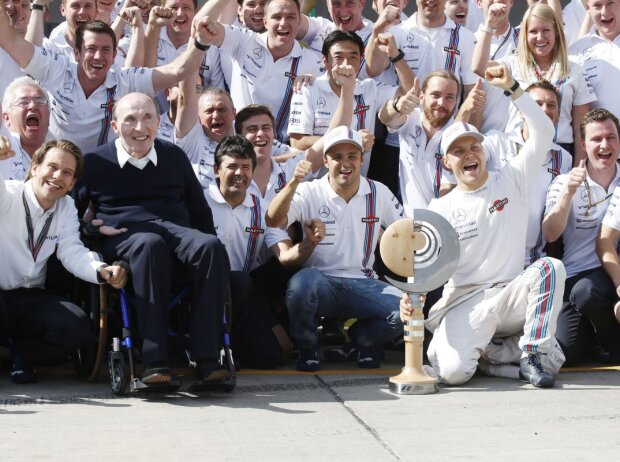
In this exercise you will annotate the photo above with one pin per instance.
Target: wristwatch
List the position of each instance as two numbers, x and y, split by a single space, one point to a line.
398 57
511 90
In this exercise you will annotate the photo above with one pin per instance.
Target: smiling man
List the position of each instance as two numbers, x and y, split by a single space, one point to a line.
26 115
493 314
37 218
154 214
82 93
337 277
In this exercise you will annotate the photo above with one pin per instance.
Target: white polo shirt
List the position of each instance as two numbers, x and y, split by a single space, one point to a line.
166 128
584 221
280 174
612 217
200 150
84 121
16 167
573 89
421 171
352 229
18 267
492 221
475 16
10 71
314 107
242 230
601 63
573 15
211 70
500 148
445 47
496 110
257 79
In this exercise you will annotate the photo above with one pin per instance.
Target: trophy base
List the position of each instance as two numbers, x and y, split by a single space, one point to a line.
413 388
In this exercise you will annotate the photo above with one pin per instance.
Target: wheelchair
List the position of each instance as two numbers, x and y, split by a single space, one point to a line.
111 320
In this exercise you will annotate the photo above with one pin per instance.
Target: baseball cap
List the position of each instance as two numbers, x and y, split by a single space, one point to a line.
342 135
456 131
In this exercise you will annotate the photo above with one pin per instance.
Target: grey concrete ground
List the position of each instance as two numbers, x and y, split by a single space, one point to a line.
338 414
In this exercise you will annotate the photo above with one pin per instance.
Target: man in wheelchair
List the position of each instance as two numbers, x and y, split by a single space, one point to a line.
153 211
36 219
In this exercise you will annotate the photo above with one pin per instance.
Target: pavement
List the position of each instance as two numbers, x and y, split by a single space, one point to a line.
338 414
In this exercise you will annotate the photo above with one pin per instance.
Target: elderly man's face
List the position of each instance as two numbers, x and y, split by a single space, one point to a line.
28 114
136 123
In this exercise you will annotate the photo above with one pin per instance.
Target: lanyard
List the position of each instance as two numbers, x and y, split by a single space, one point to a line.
501 44
35 247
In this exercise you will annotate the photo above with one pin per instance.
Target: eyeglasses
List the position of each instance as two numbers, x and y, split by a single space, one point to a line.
25 102
590 203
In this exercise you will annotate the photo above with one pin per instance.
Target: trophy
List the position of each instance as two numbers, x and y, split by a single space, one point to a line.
425 250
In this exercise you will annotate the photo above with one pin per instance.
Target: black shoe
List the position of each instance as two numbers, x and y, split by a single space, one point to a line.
308 360
530 370
22 371
210 377
610 355
346 352
369 357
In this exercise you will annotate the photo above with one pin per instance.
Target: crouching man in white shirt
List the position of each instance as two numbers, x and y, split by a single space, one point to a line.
337 279
492 314
36 218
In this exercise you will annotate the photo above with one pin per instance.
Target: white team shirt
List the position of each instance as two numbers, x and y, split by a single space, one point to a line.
85 121
573 89
445 47
501 148
18 267
600 60
280 174
496 110
584 221
242 230
573 15
475 16
166 128
18 166
491 222
257 79
421 171
314 107
612 217
200 150
10 71
352 229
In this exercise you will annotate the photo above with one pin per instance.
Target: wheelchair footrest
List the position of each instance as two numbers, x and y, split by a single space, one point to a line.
137 386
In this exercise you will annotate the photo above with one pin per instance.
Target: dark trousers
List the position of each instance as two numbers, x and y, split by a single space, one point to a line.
44 327
150 249
253 295
591 297
384 165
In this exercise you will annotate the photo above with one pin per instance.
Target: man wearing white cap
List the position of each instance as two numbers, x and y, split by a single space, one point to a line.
492 313
337 277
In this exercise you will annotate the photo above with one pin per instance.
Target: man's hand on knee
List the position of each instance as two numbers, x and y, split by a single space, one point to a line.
107 230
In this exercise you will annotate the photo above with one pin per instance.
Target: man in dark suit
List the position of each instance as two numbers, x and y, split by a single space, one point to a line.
151 211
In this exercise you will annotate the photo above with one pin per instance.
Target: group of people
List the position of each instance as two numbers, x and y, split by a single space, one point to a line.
257 154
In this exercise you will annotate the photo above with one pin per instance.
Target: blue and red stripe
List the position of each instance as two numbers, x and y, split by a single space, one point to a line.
255 224
107 116
283 112
545 302
453 48
371 210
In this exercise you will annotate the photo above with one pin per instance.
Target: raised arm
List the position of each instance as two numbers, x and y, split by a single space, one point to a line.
480 61
135 52
14 44
187 106
36 24
377 59
159 17
394 113
277 214
555 220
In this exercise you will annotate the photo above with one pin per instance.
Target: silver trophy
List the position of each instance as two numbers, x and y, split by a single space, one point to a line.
426 252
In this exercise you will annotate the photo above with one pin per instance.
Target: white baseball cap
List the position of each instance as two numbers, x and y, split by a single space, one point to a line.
456 131
341 135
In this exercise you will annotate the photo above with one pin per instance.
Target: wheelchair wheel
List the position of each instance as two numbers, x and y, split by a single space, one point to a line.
87 360
118 373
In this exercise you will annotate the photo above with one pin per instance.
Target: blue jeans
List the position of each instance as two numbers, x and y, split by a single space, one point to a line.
374 303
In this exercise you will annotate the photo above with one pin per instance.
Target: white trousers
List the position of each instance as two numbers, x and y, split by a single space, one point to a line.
499 324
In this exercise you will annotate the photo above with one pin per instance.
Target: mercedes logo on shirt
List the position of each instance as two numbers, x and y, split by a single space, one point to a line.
321 102
459 215
324 211
258 52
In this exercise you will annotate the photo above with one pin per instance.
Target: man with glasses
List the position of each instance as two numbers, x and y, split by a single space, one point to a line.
26 115
576 205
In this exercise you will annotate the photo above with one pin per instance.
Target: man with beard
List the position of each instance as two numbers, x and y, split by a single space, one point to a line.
26 115
420 124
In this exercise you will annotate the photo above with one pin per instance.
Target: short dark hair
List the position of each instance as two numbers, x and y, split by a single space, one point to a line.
64 145
598 115
237 147
97 27
340 36
545 85
444 74
251 110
